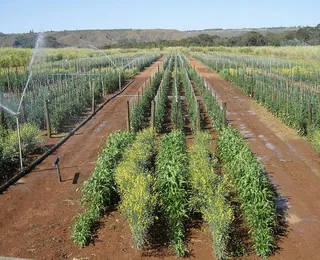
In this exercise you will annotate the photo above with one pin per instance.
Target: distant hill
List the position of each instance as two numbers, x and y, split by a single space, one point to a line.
100 38
228 33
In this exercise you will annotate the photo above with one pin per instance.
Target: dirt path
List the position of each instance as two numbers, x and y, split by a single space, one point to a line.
292 163
36 213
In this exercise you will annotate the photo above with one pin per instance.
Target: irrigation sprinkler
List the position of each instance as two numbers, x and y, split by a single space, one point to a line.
119 70
18 131
56 164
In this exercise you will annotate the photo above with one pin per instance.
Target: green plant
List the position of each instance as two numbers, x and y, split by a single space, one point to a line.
211 104
208 194
135 183
99 191
162 100
171 186
191 100
253 188
141 110
176 106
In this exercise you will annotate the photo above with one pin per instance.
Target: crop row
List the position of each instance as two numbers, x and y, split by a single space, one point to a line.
98 191
251 184
295 102
67 96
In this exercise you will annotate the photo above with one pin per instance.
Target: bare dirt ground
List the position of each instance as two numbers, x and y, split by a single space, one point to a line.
37 212
291 162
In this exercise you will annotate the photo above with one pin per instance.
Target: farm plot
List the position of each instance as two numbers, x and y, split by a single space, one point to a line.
155 183
58 97
172 179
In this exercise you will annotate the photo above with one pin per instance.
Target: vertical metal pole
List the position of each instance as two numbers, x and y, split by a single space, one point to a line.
152 114
1 112
176 118
93 99
224 114
310 116
58 171
198 116
119 80
46 114
19 140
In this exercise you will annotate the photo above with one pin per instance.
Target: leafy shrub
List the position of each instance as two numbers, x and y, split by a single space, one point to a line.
171 171
135 183
208 194
253 188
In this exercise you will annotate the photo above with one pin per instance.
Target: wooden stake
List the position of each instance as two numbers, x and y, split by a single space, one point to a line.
224 114
58 171
310 116
198 116
128 117
1 111
93 100
46 114
176 119
23 113
153 114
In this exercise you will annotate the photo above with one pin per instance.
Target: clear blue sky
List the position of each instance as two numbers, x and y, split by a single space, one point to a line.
46 15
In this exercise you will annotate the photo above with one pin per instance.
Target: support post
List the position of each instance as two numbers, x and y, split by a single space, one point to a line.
93 100
19 140
198 116
23 113
1 111
252 93
176 119
224 114
59 174
310 116
119 80
153 114
46 114
128 117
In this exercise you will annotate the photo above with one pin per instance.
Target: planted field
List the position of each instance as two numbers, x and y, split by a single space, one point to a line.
158 180
176 176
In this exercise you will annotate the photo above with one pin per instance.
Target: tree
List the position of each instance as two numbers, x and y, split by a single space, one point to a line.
253 39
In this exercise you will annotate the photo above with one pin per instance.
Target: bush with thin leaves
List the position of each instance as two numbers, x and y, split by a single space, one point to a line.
209 193
171 172
135 182
254 190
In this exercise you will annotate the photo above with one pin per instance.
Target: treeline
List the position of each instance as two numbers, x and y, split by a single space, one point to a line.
302 36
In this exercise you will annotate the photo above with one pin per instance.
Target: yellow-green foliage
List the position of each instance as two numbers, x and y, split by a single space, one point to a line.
307 54
209 192
136 184
30 140
315 139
